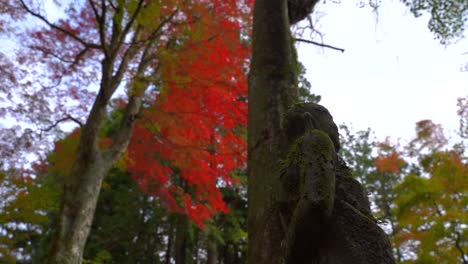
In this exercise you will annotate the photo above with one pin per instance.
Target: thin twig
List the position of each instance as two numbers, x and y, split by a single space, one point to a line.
319 44
66 118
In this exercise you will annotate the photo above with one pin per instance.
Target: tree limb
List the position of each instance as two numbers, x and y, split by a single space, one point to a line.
101 19
319 44
131 21
123 66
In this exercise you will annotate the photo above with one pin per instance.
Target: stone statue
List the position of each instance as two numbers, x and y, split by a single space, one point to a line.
325 213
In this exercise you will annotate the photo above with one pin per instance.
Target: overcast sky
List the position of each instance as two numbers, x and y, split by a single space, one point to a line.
392 74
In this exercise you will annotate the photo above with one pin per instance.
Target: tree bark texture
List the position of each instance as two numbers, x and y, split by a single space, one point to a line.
304 206
92 164
82 186
271 90
212 251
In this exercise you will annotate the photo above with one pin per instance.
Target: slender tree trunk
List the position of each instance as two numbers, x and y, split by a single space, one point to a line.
169 244
271 91
196 249
82 186
181 240
212 251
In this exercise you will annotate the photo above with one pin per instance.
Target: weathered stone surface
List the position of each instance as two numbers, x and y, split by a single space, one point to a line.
353 235
325 212
304 116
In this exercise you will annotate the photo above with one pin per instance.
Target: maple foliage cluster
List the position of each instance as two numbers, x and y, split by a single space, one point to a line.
193 134
389 159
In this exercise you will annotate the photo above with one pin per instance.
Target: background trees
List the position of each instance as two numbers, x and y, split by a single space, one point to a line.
417 191
448 18
431 199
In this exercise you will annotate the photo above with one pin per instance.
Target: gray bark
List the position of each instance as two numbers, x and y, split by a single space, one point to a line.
82 186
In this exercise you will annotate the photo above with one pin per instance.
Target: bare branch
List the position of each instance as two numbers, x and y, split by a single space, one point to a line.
66 32
101 19
102 27
110 3
75 120
319 44
48 52
64 119
93 7
72 63
78 57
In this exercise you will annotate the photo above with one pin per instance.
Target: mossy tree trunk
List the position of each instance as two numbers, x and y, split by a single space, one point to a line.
272 89
304 206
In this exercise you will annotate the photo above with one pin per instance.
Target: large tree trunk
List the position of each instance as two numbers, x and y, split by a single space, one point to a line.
272 90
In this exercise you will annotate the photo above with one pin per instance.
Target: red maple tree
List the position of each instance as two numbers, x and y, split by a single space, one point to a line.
194 129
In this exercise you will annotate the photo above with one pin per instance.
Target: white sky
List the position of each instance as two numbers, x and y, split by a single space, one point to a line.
392 74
